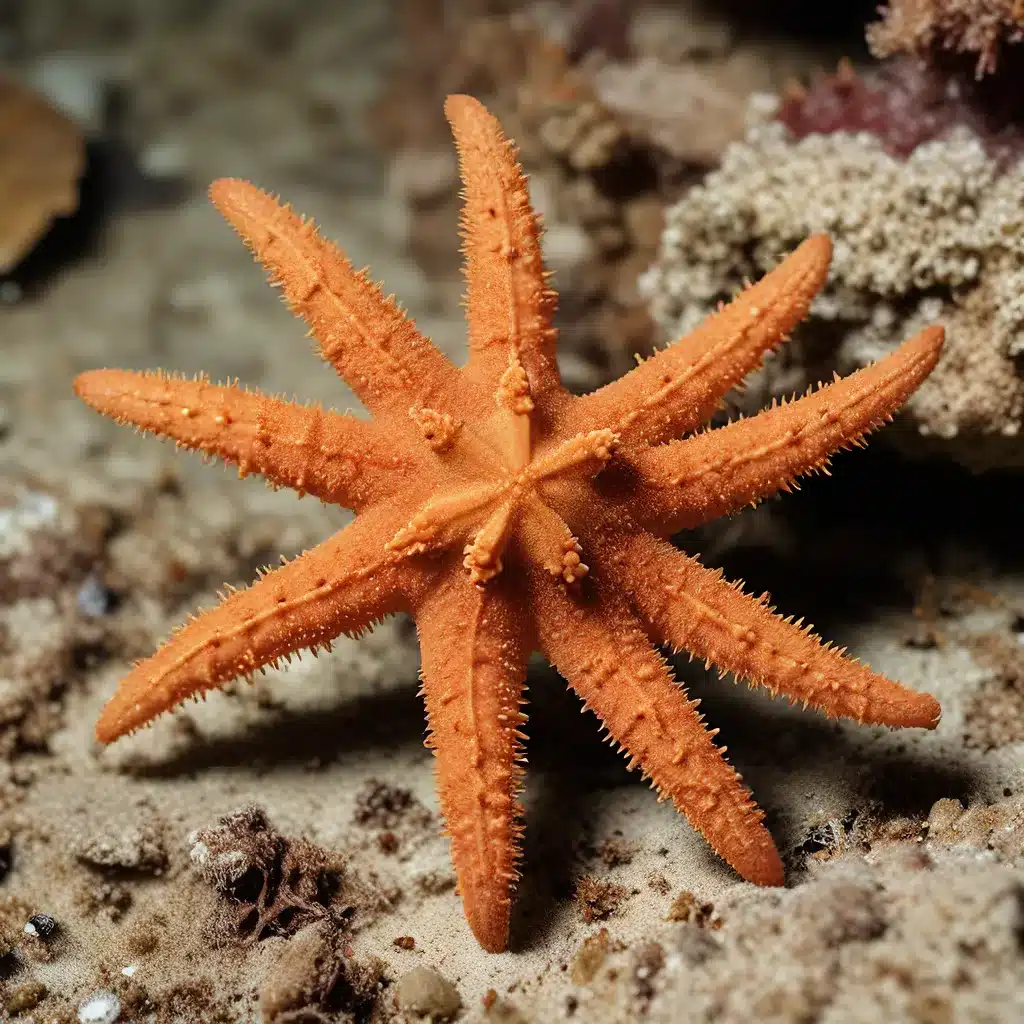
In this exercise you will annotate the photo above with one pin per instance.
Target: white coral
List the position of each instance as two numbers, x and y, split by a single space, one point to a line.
939 235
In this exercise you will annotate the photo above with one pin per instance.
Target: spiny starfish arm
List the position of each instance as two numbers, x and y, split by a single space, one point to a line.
717 472
474 653
680 387
343 585
603 653
338 458
362 334
509 304
694 608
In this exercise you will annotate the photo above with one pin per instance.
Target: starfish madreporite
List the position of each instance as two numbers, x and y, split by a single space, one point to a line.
508 515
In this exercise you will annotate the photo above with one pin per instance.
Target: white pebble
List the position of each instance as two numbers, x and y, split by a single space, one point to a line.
102 1008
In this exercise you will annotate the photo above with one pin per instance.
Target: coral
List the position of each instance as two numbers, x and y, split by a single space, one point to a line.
590 957
997 828
268 884
905 103
380 805
926 28
939 235
25 997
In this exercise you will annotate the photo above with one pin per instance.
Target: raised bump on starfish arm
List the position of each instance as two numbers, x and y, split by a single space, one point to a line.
363 335
509 304
549 542
474 653
691 607
610 663
679 387
326 454
711 474
443 520
343 585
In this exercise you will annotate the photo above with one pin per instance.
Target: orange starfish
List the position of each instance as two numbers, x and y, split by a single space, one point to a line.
480 492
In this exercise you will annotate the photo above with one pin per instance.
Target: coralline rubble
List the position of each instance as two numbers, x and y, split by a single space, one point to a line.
924 929
936 236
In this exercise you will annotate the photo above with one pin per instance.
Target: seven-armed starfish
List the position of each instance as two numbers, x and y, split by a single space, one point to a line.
481 491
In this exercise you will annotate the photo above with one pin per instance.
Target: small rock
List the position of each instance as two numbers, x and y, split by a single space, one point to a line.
501 1012
94 599
101 1008
695 945
302 978
25 997
590 957
135 847
427 994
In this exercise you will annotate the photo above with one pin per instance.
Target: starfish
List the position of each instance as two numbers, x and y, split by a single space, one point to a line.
508 515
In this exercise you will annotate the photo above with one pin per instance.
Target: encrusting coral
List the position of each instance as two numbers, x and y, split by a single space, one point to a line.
480 492
932 236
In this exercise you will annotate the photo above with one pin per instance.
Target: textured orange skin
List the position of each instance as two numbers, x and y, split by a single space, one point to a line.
480 490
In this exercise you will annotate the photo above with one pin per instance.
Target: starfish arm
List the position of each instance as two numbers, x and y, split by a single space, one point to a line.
605 656
509 303
362 334
343 585
688 606
338 458
712 474
474 655
681 386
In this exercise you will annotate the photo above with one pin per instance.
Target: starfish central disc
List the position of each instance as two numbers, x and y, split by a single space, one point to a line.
487 515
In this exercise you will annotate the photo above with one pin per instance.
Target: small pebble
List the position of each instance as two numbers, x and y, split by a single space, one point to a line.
40 926
25 997
427 994
93 598
101 1008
